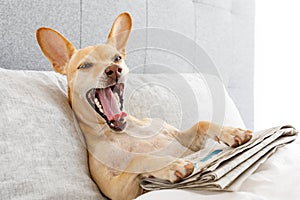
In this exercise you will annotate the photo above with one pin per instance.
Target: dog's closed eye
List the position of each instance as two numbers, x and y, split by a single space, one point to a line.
85 66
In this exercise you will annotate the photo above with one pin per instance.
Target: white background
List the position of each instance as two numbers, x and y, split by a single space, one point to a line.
277 63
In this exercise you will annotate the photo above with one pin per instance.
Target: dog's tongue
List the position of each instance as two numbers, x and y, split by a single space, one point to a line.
110 105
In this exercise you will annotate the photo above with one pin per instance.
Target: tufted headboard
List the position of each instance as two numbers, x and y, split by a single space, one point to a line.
223 29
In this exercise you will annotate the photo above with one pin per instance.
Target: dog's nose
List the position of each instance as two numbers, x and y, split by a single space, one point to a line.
113 71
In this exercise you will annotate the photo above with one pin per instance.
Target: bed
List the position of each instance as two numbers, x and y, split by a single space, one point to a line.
39 140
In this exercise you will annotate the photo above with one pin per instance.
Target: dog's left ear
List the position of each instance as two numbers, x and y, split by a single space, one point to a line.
120 32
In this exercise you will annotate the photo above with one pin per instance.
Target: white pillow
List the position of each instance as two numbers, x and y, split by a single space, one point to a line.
181 99
41 153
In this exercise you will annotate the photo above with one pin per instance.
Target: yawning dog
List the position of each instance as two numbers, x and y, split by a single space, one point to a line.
117 158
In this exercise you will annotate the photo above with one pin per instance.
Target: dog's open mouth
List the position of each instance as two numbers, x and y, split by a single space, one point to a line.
108 103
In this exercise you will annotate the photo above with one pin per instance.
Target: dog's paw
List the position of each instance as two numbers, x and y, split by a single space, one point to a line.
179 170
176 171
234 137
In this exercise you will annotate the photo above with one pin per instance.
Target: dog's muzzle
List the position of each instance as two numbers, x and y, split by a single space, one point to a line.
108 103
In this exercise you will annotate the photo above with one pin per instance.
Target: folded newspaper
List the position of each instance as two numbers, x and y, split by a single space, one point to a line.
225 168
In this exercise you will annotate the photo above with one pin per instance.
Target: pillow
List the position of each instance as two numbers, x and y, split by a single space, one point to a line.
181 99
41 154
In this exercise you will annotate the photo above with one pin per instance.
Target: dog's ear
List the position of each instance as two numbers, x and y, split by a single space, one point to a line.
120 32
55 47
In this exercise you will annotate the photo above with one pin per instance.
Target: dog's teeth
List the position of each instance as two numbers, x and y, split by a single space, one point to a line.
117 96
100 107
98 104
112 124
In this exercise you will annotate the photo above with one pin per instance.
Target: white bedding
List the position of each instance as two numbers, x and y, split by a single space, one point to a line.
47 148
39 143
276 179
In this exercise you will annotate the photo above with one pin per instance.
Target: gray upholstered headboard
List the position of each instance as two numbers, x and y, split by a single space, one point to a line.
223 28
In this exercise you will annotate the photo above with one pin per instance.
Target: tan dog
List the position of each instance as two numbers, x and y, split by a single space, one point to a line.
117 158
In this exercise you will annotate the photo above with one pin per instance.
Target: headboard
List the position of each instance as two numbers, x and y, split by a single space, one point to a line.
223 29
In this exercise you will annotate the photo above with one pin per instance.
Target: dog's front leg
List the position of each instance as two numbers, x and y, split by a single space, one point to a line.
125 184
163 167
195 137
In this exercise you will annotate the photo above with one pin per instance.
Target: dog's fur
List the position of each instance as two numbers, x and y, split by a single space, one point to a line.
117 159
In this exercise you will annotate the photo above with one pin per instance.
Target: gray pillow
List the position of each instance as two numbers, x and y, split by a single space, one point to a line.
42 156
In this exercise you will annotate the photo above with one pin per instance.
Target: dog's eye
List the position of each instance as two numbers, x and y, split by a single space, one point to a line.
85 66
117 58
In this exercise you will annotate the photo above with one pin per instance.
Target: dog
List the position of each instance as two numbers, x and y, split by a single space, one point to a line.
117 159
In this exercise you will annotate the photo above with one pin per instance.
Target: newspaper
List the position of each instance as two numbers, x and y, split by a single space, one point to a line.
225 168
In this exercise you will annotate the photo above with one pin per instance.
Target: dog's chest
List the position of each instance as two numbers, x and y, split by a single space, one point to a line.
117 150
134 144
153 136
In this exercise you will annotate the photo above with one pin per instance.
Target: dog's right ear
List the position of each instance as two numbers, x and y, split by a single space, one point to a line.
55 47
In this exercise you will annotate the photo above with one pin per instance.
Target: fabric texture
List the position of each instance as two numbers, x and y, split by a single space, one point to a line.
41 154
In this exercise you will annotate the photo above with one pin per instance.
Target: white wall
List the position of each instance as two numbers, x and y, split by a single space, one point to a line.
277 63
